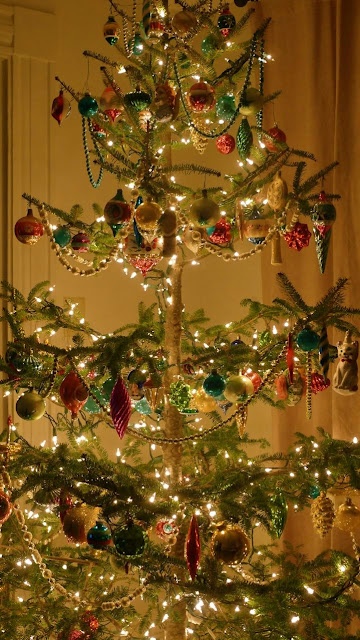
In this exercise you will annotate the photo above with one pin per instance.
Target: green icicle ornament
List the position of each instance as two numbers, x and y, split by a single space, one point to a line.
278 508
244 139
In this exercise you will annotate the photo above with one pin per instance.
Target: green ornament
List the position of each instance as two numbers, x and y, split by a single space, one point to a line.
142 406
264 339
314 492
244 139
278 508
136 45
30 406
307 340
130 541
180 395
138 99
88 106
62 236
107 388
225 107
111 31
209 45
214 384
91 406
99 536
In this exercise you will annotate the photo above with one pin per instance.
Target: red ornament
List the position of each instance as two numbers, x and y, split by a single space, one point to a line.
278 136
290 353
80 242
225 143
144 263
73 393
222 233
28 229
318 382
110 103
120 407
298 237
60 108
76 634
201 96
193 547
255 378
65 503
166 529
98 131
90 621
5 507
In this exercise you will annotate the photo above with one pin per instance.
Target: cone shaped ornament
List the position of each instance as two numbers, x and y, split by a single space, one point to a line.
323 217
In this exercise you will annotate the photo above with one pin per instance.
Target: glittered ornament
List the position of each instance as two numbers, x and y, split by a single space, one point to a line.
193 547
120 407
89 621
314 492
30 406
88 106
225 107
318 382
147 215
221 233
75 634
347 517
62 236
5 507
111 31
230 544
204 212
77 522
166 529
142 406
203 402
278 508
117 212
226 21
28 229
99 536
201 97
323 514
180 395
130 540
277 136
225 143
244 139
80 242
307 339
214 384
137 99
238 387
183 22
323 216
251 102
73 393
298 237
60 108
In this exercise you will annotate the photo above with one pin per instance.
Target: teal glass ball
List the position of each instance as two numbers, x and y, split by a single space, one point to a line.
307 340
88 106
99 536
214 384
62 236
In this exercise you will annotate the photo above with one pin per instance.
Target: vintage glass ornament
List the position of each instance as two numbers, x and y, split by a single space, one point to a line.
323 514
110 103
225 107
183 22
62 236
298 237
120 407
226 21
117 212
80 242
111 31
30 406
88 106
142 255
252 102
156 26
193 547
99 536
130 540
221 233
201 97
225 143
136 45
98 131
204 402
73 393
28 229
107 388
318 382
137 99
314 492
307 339
147 215
255 378
166 529
214 384
180 395
279 509
277 193
230 544
209 45
77 522
60 108
5 507
277 136
91 406
347 517
323 216
204 212
238 387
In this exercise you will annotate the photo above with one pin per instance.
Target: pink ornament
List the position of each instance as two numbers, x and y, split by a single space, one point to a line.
73 393
110 103
193 547
225 144
298 237
318 382
120 407
222 233
144 263
80 242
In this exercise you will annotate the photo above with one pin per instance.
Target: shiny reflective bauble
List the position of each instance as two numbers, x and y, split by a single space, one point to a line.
30 406
230 544
88 106
28 229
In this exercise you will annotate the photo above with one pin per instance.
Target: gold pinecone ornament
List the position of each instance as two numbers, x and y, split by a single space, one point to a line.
323 514
348 517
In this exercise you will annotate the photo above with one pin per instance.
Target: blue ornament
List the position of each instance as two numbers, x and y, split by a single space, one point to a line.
99 536
88 106
62 236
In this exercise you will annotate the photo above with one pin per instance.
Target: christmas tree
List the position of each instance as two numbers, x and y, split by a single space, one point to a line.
176 529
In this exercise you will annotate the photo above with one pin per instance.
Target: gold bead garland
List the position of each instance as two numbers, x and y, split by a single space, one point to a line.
308 386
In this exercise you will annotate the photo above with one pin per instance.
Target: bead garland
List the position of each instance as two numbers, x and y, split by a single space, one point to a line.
94 183
308 385
50 386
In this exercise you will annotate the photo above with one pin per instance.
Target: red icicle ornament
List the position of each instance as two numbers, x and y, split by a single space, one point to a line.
120 407
193 547
290 357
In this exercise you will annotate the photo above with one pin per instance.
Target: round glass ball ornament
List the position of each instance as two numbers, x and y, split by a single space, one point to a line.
237 387
225 107
147 215
99 536
137 99
214 384
277 135
230 544
111 31
28 229
130 540
307 340
183 22
201 97
73 393
80 242
204 212
348 517
77 522
117 212
62 236
252 102
88 106
30 406
225 143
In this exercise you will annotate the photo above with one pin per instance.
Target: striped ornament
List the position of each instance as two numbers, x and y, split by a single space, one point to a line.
120 407
146 16
324 354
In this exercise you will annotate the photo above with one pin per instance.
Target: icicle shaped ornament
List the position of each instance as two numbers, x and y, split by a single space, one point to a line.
120 407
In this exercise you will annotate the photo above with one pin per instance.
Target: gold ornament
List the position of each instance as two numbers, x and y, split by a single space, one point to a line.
77 522
203 402
147 215
238 386
204 212
230 544
277 193
323 514
348 517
